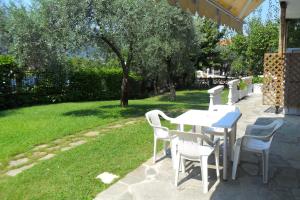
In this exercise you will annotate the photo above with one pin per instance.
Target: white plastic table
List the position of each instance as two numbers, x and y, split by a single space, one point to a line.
217 119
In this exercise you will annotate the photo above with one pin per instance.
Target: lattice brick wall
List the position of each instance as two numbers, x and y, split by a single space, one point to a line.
292 80
273 79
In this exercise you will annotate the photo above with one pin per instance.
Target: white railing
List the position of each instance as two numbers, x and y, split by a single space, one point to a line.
233 95
215 95
248 81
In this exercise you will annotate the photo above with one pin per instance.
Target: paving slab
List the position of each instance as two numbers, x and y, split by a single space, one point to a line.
92 134
15 172
47 157
77 143
66 148
39 154
156 181
18 162
42 146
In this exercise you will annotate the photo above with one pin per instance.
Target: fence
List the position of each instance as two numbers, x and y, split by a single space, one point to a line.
235 93
282 81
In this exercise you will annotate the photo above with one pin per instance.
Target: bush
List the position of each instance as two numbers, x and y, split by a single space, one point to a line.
242 85
9 72
100 84
257 79
79 80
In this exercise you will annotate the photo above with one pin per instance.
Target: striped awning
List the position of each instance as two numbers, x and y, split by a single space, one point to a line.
225 12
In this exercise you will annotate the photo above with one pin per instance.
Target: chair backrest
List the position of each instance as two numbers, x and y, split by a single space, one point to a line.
189 143
274 126
224 108
154 121
153 117
271 129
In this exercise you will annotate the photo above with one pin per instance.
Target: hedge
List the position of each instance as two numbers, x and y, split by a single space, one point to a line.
73 83
100 84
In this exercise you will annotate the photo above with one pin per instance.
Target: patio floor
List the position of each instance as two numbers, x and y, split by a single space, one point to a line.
156 181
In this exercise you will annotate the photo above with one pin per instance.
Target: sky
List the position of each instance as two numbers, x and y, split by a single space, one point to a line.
269 9
263 10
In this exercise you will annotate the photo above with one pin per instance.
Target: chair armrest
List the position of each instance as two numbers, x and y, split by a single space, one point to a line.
166 117
217 142
161 127
264 137
262 127
251 128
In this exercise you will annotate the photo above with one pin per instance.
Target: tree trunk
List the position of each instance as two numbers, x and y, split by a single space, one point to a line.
171 83
124 87
156 92
172 91
125 67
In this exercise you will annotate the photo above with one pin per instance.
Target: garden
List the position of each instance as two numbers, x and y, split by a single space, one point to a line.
76 79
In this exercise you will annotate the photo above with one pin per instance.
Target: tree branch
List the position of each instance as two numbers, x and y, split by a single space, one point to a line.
114 49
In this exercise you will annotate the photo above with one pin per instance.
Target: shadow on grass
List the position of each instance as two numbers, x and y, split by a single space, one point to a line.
189 98
5 113
133 110
184 101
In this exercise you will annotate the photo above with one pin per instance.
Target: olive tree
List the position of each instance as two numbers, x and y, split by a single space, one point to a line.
111 25
4 36
169 43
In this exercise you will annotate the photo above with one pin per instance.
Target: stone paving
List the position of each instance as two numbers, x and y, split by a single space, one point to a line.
156 181
43 152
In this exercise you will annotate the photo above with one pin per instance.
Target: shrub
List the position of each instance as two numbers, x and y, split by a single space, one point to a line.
9 72
257 79
100 84
78 80
242 85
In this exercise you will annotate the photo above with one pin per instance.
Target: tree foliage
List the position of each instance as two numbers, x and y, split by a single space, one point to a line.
293 33
250 48
116 26
169 43
32 42
161 43
208 36
4 35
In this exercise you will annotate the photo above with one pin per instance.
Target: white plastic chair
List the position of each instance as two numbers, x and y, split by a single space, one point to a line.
213 131
190 147
256 143
160 132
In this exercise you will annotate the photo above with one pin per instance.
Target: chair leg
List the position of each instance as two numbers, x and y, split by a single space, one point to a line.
265 160
236 158
217 158
204 173
177 170
182 165
165 148
154 150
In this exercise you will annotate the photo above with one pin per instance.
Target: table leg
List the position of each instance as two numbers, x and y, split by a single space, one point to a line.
194 129
225 154
232 141
180 127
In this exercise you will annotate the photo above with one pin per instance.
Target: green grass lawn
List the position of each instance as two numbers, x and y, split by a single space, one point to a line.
71 175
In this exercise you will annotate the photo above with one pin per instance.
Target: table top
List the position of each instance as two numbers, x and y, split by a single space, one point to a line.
208 118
